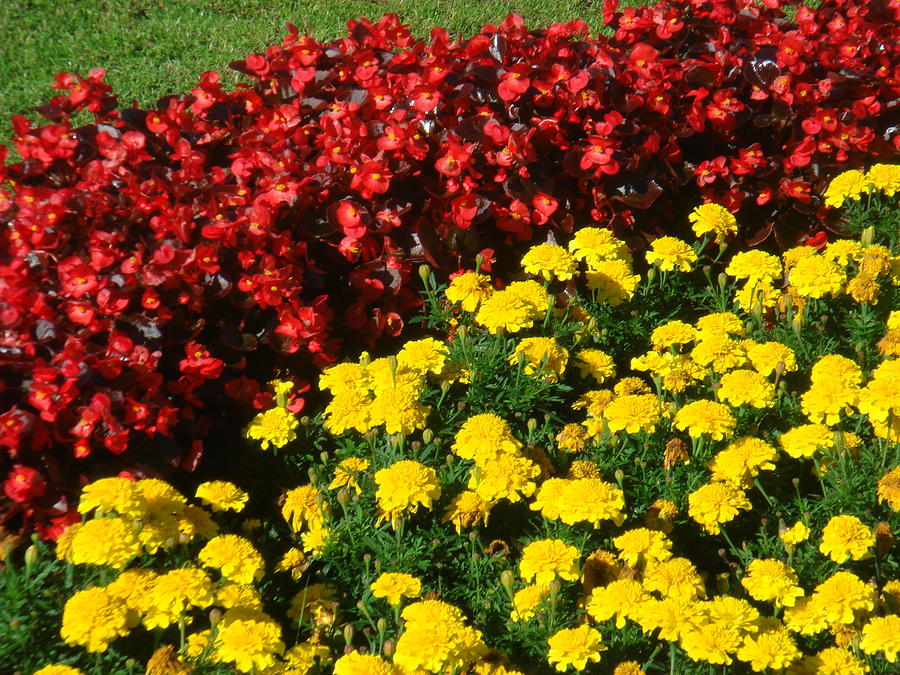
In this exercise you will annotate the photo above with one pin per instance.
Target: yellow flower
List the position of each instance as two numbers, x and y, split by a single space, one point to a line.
719 352
92 618
543 357
104 541
305 506
231 594
669 253
846 537
795 534
423 356
884 177
714 219
806 440
628 668
436 639
58 670
117 495
293 561
756 295
504 310
596 363
399 410
222 495
633 413
613 281
711 643
396 585
595 244
816 277
772 649
766 357
468 290
549 261
484 436
578 500
345 378
742 460
465 510
574 647
850 184
506 476
889 488
346 472
734 614
313 604
403 487
754 264
175 592
349 409
640 547
831 661
672 333
355 663
716 503
234 557
842 251
302 658
746 387
702 417
571 438
527 600
770 580
673 616
842 596
719 324
275 427
545 559
674 578
621 599
248 638
882 634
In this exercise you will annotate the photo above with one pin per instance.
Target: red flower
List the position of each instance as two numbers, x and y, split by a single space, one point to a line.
23 484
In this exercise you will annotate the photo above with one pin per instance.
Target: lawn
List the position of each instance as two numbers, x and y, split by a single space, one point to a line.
151 48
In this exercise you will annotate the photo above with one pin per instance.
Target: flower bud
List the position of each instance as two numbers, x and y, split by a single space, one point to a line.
427 436
388 648
425 274
867 236
324 456
348 633
381 624
532 425
313 475
343 497
215 616
31 556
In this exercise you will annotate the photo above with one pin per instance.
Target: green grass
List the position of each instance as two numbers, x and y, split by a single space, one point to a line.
152 48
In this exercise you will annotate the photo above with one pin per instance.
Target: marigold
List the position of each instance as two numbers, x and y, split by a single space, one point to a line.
846 537
884 177
670 253
889 488
248 638
465 510
393 586
403 487
641 546
275 427
399 410
714 219
672 333
770 580
349 410
92 618
816 277
527 600
637 412
571 438
346 473
234 557
303 507
436 639
621 599
596 363
771 649
506 476
59 670
345 378
702 417
134 587
355 663
176 591
673 616
851 184
766 357
754 264
613 281
830 661
231 594
482 437
842 596
543 357
104 541
746 387
742 460
716 503
719 352
504 310
545 559
574 647
118 495
711 643
674 578
549 261
882 634
313 604
595 244
587 499
423 356
222 495
468 290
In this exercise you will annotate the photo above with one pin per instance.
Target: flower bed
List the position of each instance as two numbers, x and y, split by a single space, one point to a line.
697 467
159 265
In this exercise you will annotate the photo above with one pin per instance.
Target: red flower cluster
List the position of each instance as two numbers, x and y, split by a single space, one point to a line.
159 263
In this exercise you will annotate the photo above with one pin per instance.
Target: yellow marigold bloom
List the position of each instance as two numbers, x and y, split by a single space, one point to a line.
596 363
835 367
59 670
403 487
714 219
842 251
117 495
92 618
543 357
436 639
882 634
595 245
719 352
574 647
754 264
465 510
590 500
423 356
621 599
756 295
399 410
159 523
674 578
504 477
766 356
628 668
880 398
719 324
742 460
304 507
793 255
534 295
640 547
134 588
830 661
396 585
349 410
549 261
613 281
889 489
772 649
702 417
795 534
850 184
355 663
637 412
770 580
196 521
673 616
884 177
735 614
313 604
889 345
711 643
346 472
303 657
806 440
672 333
661 514
806 617
746 387
629 386
527 600
545 559
468 290
482 437
842 595
716 503
234 557
846 537
176 591
275 427
571 438
670 253
231 595
504 310
248 638
344 378
294 561
104 541
582 468
222 495
825 401
816 277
